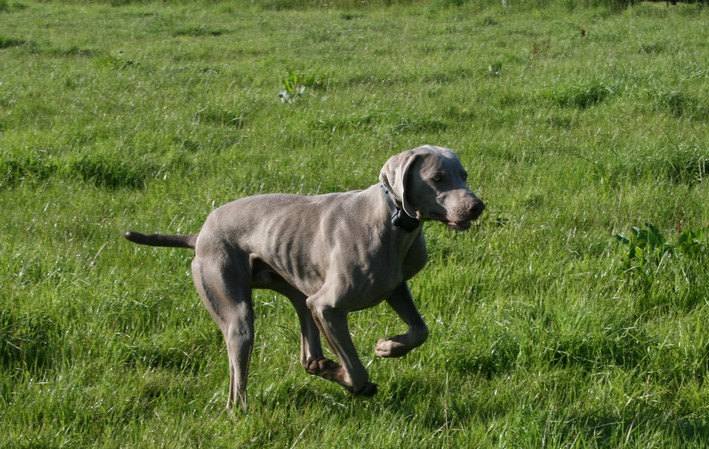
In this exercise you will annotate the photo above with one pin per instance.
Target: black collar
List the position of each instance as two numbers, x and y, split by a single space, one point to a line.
399 218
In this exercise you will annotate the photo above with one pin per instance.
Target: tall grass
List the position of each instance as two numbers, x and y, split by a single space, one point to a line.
561 319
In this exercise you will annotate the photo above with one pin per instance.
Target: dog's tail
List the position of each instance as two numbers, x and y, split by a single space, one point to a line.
173 241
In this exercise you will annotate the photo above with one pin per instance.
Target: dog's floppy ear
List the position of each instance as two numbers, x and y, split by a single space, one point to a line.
395 175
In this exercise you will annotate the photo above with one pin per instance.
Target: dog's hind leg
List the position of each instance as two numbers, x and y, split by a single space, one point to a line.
310 344
225 289
311 354
240 343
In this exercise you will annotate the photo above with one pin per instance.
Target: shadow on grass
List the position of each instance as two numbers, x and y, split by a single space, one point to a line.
30 342
609 429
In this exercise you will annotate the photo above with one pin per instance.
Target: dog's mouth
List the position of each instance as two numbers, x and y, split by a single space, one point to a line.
456 225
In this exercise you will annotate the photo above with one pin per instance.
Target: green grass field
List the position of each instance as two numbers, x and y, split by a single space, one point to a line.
574 314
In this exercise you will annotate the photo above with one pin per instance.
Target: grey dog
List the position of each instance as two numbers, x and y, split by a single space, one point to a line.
329 255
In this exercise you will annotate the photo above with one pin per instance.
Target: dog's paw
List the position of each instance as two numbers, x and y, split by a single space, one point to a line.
325 368
387 347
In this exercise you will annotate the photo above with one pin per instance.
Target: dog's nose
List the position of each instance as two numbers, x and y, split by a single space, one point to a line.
476 208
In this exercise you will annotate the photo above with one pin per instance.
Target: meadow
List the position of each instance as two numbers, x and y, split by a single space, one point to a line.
574 314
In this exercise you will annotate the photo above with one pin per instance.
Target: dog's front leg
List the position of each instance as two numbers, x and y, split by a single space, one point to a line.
350 373
403 304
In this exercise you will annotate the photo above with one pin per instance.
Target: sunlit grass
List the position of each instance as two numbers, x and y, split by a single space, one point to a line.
544 333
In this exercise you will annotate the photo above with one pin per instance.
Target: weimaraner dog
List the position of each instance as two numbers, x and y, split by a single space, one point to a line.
329 254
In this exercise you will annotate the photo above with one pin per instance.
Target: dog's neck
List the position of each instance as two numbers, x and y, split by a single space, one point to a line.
399 218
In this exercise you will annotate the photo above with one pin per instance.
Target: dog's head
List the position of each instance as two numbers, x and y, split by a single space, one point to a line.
430 183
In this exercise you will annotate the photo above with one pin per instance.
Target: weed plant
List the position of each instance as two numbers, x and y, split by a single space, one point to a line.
574 314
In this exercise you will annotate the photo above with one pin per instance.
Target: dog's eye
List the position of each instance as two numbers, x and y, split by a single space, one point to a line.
437 178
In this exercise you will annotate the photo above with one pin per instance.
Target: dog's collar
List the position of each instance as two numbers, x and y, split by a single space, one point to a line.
399 218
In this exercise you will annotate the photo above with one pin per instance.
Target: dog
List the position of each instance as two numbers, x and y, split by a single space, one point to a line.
329 254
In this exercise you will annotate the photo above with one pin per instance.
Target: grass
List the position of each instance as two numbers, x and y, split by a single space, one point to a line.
546 330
